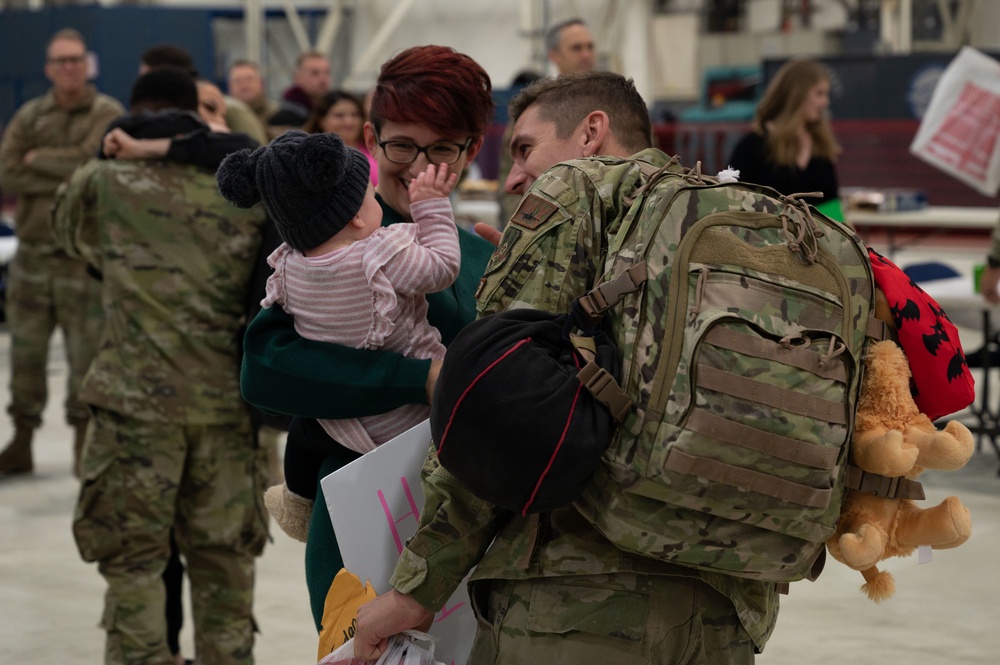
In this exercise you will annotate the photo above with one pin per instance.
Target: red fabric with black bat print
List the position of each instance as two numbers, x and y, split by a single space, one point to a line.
942 383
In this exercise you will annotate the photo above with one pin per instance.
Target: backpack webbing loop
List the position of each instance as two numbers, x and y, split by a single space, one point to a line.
788 354
751 390
715 427
754 481
879 330
888 487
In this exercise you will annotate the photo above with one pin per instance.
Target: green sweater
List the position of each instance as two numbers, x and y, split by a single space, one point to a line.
285 373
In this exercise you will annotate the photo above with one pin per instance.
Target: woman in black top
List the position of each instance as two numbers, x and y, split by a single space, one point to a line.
792 148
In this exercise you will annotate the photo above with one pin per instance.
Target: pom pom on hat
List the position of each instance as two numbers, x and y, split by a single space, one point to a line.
312 185
236 178
323 161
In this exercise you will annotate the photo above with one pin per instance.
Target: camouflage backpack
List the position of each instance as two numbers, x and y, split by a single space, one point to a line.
743 354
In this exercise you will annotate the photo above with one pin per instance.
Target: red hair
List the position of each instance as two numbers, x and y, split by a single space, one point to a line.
434 86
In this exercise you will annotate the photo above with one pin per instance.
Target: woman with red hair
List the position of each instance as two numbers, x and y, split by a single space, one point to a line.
431 105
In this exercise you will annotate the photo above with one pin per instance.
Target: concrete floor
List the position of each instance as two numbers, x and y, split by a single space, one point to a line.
944 612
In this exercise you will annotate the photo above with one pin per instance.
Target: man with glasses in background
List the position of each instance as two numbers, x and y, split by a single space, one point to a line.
46 140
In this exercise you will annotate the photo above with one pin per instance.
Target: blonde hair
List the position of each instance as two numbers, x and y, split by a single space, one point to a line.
780 112
68 34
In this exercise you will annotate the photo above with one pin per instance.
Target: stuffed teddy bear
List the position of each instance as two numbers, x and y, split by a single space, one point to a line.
893 438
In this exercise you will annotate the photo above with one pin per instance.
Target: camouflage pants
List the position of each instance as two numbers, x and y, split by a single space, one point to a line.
48 290
620 618
141 478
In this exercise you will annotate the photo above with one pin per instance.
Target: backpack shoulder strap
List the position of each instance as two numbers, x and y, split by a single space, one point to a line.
606 295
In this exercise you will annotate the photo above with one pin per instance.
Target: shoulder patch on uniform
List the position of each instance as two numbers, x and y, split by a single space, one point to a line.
502 252
533 212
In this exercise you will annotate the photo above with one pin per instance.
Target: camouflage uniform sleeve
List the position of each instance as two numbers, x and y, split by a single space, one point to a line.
456 527
242 120
15 176
59 162
551 248
74 218
553 252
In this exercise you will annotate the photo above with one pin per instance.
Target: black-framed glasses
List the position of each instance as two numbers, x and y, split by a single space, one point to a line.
67 60
405 152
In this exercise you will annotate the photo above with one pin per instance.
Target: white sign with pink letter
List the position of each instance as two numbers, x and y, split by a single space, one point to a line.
374 504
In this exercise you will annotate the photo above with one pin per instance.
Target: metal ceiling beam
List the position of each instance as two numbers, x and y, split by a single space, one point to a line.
374 51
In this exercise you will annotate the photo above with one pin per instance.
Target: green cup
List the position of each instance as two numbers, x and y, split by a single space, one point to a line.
977 276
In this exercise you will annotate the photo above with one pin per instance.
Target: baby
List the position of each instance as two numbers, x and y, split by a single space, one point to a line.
344 278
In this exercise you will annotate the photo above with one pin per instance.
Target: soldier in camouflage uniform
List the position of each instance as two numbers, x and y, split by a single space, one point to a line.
170 443
549 587
47 138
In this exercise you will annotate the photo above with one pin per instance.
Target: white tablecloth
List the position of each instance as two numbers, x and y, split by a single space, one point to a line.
963 306
8 245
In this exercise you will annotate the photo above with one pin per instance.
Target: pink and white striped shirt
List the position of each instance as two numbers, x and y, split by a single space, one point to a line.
370 295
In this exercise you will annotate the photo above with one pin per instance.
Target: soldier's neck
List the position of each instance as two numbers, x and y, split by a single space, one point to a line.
69 98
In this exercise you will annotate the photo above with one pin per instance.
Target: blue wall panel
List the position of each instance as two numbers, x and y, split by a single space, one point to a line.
117 35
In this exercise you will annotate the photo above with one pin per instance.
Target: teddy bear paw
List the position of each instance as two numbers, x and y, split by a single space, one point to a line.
887 455
959 527
861 549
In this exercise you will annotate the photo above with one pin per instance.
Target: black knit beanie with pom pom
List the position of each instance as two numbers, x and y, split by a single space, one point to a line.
311 185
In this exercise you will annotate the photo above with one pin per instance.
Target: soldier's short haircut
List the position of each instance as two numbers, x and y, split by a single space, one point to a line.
305 55
242 62
164 88
554 34
169 55
68 33
566 101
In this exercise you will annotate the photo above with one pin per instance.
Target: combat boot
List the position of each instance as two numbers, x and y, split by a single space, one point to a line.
16 457
79 434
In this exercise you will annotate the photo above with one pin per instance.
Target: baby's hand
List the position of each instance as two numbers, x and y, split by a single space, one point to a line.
434 183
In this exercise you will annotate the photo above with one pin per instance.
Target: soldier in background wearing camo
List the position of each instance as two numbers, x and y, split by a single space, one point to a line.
550 587
47 138
170 444
238 116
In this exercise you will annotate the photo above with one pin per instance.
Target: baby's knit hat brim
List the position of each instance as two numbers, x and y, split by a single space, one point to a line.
312 185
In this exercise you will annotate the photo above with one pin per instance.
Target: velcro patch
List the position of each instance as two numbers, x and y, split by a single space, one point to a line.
503 250
533 212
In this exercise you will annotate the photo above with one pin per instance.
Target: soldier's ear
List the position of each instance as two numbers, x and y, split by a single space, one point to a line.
596 132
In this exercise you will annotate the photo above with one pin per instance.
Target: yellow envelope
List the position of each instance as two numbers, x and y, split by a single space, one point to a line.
340 611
